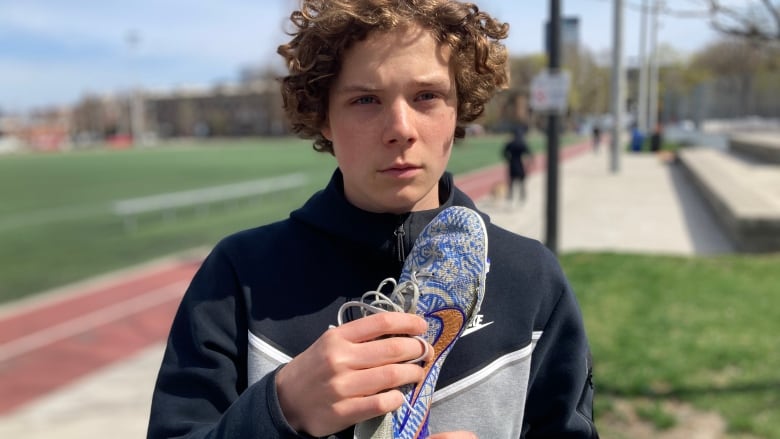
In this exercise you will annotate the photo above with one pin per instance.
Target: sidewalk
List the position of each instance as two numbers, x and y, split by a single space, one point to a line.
648 206
110 403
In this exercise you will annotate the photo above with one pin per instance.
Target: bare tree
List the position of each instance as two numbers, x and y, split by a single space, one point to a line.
756 21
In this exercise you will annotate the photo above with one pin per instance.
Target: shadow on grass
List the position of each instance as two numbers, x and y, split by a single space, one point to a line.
682 392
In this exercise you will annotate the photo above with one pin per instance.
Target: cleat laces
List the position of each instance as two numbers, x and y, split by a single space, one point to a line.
403 298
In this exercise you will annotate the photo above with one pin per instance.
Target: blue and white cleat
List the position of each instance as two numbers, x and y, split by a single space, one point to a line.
443 280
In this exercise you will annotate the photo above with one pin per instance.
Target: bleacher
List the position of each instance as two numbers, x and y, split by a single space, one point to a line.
166 203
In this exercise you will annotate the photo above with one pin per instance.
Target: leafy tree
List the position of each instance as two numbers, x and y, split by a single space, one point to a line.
589 93
733 62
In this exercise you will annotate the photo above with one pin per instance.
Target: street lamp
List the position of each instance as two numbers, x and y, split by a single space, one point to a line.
133 39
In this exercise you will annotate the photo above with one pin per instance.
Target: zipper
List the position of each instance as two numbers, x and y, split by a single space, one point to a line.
399 236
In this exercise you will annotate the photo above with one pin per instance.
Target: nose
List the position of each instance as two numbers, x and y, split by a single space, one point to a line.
399 124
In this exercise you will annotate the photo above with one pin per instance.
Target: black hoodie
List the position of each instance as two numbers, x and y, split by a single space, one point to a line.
264 295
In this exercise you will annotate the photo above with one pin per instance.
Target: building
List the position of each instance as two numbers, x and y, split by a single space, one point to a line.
246 109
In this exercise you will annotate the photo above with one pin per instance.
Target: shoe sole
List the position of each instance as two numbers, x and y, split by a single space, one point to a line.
448 300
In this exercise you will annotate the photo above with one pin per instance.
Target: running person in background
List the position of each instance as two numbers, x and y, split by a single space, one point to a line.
385 86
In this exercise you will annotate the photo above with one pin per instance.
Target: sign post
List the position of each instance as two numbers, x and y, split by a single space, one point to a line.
549 94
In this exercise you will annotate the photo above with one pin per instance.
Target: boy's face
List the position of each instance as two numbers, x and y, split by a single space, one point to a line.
391 118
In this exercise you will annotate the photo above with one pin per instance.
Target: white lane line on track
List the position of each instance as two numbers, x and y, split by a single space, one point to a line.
92 320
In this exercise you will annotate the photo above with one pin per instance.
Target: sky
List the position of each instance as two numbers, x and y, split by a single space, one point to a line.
53 52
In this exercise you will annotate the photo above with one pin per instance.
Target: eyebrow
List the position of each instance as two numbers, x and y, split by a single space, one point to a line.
370 88
435 82
360 88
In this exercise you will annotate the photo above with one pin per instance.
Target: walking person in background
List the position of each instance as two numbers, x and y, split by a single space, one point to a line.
258 348
518 157
657 138
596 133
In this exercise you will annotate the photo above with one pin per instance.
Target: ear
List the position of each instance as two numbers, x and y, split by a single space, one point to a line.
326 132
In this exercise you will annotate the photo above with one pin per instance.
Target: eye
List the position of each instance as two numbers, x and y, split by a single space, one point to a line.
426 96
364 100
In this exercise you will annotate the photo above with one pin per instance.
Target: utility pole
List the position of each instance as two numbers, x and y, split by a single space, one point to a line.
554 64
132 38
641 114
617 85
653 116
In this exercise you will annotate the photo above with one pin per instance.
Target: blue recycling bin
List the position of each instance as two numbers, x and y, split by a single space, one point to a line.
637 139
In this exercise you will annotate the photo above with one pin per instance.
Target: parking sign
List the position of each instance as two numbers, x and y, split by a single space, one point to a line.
550 92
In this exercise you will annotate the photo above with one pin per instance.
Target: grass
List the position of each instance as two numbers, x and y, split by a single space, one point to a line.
697 330
656 414
57 226
667 146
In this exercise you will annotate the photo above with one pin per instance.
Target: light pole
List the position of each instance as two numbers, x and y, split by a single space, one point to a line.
642 101
136 113
653 93
617 85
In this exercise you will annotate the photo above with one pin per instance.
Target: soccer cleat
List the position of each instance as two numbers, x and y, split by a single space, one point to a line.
443 280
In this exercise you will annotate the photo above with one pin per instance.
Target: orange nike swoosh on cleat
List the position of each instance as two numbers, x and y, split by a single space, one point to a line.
452 323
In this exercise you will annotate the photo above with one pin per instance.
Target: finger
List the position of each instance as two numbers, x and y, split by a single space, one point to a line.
368 382
363 408
388 351
429 351
381 324
454 435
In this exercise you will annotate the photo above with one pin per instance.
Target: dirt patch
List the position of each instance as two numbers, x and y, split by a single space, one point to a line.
624 422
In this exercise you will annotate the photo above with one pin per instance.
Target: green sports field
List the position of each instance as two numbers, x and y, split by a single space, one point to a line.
57 223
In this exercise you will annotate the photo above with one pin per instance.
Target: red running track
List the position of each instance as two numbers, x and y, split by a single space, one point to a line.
58 339
55 341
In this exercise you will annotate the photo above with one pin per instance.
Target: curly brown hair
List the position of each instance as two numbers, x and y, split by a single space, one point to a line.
325 29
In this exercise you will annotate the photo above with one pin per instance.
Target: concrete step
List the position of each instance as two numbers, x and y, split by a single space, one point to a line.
761 146
743 192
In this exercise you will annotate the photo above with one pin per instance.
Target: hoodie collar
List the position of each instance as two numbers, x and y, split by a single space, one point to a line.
329 211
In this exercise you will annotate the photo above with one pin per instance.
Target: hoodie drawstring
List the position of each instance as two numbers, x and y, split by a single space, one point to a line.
399 235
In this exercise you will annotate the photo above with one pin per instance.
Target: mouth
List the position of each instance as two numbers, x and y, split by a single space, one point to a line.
401 170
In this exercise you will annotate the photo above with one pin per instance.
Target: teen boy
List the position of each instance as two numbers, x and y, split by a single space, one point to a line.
385 86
